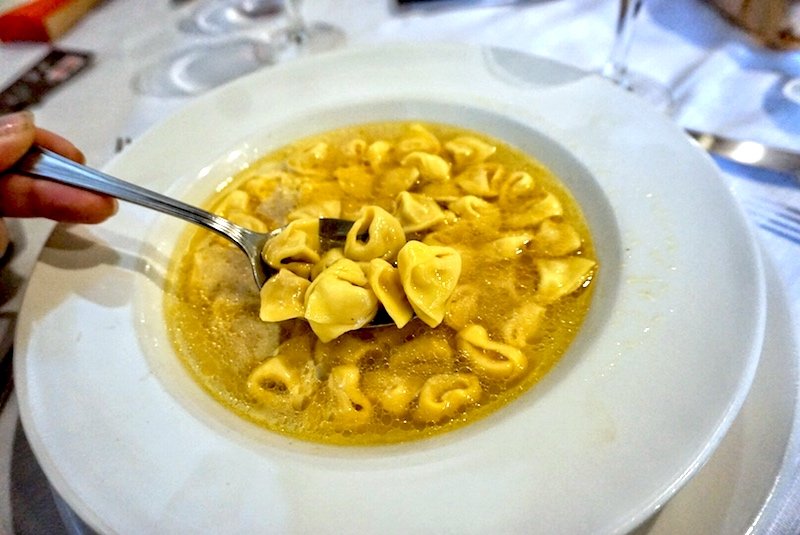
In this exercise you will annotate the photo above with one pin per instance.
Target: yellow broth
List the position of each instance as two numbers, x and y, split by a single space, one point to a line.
212 306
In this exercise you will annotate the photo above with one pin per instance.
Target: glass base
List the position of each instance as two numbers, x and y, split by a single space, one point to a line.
219 17
644 87
196 70
313 39
791 90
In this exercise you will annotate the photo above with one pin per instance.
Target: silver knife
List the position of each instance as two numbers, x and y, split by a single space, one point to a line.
748 152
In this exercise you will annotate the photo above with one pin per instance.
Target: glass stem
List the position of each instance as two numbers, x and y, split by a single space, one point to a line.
297 25
616 67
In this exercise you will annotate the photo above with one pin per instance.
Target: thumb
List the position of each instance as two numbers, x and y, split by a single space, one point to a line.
17 133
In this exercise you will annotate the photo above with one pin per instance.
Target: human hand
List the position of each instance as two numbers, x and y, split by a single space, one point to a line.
23 196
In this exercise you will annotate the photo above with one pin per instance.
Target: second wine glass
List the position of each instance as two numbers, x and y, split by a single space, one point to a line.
616 67
301 37
203 66
216 17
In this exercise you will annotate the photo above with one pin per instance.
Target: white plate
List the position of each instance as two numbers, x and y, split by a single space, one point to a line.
739 490
634 409
743 487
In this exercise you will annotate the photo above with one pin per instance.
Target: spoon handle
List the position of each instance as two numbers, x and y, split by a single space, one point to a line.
43 163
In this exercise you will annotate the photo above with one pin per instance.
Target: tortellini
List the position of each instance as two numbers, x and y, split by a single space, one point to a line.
430 166
481 180
351 407
523 324
296 248
384 233
472 207
556 238
470 255
314 211
355 180
287 378
339 300
427 354
275 382
468 150
561 276
418 139
378 155
464 305
384 279
515 189
444 395
395 393
535 212
396 181
347 349
429 275
238 200
510 247
327 259
418 212
495 360
311 161
283 297
340 290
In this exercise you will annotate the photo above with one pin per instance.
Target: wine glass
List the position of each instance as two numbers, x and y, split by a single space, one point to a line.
616 67
202 67
785 63
199 68
791 90
222 16
299 37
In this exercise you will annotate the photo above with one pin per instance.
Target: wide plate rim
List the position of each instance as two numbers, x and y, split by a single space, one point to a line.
655 501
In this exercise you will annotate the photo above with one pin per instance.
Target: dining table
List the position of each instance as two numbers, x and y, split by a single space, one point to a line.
722 80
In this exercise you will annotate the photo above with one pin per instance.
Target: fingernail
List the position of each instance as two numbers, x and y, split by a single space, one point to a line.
14 123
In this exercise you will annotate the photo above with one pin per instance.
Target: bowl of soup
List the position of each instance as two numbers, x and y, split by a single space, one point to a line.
478 255
555 354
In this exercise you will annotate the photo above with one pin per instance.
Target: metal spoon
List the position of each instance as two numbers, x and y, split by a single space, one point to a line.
40 162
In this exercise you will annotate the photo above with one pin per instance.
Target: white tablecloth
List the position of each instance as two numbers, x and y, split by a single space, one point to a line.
722 81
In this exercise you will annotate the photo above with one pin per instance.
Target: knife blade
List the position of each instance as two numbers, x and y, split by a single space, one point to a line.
748 152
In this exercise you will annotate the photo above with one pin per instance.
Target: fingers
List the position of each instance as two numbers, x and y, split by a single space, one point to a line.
23 196
17 134
58 144
5 239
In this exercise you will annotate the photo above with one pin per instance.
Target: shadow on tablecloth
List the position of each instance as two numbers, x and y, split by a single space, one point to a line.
35 506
